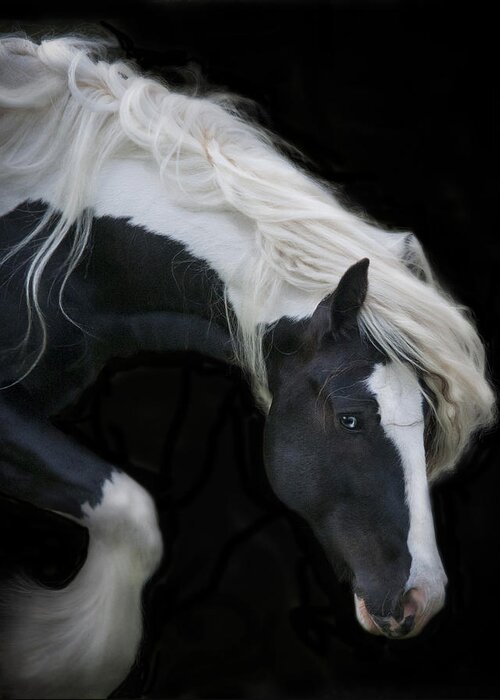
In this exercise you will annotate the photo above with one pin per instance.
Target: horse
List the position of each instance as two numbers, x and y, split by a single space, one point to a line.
137 217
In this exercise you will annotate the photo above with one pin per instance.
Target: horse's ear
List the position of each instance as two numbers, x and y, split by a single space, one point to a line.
414 258
337 313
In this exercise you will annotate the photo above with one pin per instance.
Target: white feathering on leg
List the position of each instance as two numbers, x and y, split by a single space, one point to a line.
81 641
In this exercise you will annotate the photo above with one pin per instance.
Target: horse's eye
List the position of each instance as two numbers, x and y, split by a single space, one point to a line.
349 422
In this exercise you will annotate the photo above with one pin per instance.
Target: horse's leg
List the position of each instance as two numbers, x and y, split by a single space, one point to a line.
80 641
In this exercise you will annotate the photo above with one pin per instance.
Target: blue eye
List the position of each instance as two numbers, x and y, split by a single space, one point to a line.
349 422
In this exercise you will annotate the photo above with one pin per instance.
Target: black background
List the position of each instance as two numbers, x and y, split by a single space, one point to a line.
397 104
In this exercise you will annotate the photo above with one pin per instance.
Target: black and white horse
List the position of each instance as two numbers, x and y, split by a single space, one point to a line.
138 218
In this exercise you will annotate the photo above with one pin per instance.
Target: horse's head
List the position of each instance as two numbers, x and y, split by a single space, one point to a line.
344 448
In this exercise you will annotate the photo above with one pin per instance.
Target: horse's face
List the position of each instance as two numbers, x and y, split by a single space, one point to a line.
344 448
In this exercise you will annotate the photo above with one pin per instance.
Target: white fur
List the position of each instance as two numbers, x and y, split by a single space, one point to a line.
67 115
401 416
81 641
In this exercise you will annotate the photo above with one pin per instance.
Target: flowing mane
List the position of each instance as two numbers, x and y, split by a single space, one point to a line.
67 110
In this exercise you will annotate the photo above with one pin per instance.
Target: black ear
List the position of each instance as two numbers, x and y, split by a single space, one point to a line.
337 314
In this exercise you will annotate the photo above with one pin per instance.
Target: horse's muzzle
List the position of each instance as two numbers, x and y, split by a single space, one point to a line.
409 617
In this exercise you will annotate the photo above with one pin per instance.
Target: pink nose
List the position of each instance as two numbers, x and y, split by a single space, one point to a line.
392 627
410 618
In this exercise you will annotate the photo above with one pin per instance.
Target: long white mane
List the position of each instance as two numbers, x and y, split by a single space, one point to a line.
66 111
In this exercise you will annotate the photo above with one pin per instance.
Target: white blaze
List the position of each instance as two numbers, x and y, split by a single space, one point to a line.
399 398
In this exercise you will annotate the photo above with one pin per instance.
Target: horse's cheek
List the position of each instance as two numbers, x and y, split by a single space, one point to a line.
286 463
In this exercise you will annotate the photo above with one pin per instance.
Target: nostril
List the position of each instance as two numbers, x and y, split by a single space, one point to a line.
391 627
412 603
407 625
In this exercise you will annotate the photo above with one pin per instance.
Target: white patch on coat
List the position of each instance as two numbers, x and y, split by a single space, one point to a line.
81 641
400 402
225 239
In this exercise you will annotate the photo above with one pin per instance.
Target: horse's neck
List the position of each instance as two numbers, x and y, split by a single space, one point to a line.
156 273
148 292
224 239
151 280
